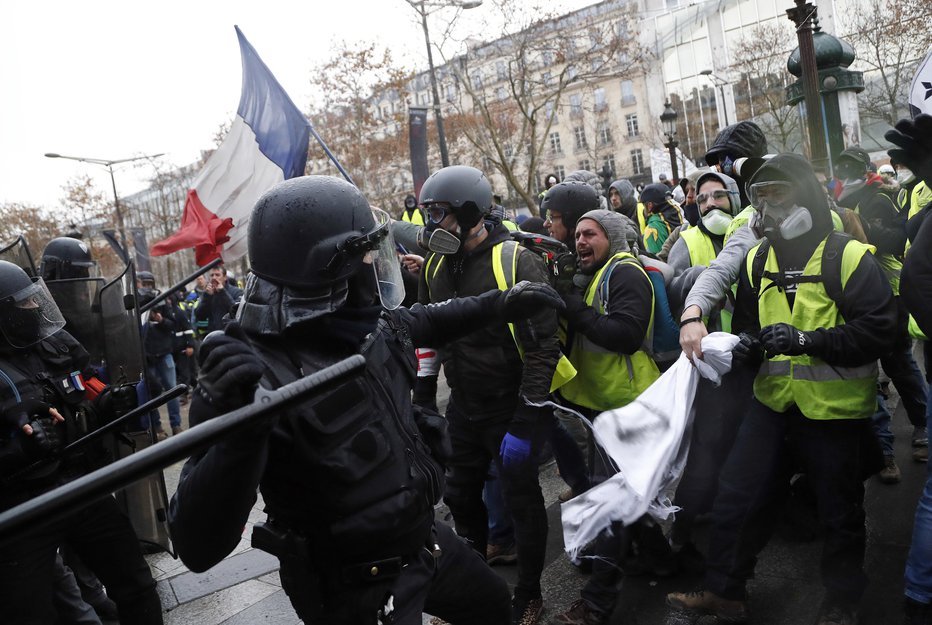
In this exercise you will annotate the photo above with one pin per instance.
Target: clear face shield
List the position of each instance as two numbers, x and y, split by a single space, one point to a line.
30 315
383 257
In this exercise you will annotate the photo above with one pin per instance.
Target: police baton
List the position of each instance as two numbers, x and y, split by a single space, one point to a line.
164 295
70 497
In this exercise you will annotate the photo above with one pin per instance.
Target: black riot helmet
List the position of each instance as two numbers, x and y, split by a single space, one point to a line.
65 258
28 313
465 189
572 199
315 233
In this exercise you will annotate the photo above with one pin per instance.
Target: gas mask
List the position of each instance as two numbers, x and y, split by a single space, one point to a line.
776 215
436 239
716 221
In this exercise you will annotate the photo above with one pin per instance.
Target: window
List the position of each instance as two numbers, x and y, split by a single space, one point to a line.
576 105
449 93
604 133
555 143
547 58
500 70
637 162
585 164
631 121
560 172
547 79
580 134
477 80
598 96
548 112
627 92
501 94
608 161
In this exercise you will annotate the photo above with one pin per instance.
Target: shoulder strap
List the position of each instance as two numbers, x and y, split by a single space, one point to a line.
757 266
831 265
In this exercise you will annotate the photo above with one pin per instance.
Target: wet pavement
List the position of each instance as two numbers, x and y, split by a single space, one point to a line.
245 587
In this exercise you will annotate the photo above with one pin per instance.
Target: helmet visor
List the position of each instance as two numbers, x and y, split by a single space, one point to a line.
384 258
30 315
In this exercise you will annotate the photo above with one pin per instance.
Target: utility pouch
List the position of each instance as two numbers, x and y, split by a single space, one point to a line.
282 543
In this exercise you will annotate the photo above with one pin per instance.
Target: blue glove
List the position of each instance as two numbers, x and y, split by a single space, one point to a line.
514 451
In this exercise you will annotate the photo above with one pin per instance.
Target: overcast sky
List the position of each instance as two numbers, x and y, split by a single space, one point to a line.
112 80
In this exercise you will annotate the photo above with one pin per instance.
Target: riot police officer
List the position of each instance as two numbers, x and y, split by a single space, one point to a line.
350 477
43 406
65 258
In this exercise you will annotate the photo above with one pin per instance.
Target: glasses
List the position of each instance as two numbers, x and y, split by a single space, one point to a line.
436 213
777 194
718 194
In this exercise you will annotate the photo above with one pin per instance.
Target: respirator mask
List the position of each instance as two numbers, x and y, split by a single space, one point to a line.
776 213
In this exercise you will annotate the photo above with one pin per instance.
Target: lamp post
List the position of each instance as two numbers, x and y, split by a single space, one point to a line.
109 165
668 123
720 83
423 8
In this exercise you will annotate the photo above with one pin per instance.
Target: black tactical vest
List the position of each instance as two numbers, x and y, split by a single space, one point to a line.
350 468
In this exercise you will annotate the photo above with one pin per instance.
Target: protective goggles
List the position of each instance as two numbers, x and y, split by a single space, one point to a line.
718 194
437 212
777 194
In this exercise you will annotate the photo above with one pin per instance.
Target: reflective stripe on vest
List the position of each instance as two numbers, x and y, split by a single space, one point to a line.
820 390
505 254
607 379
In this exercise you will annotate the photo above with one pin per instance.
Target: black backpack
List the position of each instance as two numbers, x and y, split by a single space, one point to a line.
831 268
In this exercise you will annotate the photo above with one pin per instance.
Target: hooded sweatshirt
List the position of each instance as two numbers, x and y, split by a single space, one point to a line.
867 306
629 201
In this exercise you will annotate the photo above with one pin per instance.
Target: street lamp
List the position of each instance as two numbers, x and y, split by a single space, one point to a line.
422 7
668 123
720 83
109 165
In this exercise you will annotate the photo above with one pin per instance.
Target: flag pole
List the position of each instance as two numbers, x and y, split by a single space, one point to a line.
329 154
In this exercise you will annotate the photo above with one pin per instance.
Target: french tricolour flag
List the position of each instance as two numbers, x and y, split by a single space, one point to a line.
266 144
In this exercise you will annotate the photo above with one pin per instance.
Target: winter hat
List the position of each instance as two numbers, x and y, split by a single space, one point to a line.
656 193
741 139
615 227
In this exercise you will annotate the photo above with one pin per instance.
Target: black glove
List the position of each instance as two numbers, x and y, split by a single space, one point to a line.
526 298
44 440
564 268
433 428
574 304
229 369
748 352
18 415
915 140
782 338
116 401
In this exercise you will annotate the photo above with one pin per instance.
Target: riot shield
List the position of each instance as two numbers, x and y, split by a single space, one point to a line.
145 501
18 253
77 300
122 344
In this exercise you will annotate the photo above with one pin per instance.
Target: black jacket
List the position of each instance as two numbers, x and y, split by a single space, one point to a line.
485 371
350 468
42 373
159 337
916 283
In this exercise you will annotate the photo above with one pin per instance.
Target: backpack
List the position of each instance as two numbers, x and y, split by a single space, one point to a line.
664 341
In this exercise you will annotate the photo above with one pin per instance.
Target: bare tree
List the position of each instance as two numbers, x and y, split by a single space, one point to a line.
515 87
760 64
363 130
890 38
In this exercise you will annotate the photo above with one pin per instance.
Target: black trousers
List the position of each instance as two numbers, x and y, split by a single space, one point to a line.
457 586
836 455
475 445
102 537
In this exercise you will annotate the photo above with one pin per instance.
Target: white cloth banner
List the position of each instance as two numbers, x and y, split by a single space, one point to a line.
648 440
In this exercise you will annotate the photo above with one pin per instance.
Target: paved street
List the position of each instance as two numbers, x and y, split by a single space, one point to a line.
245 588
